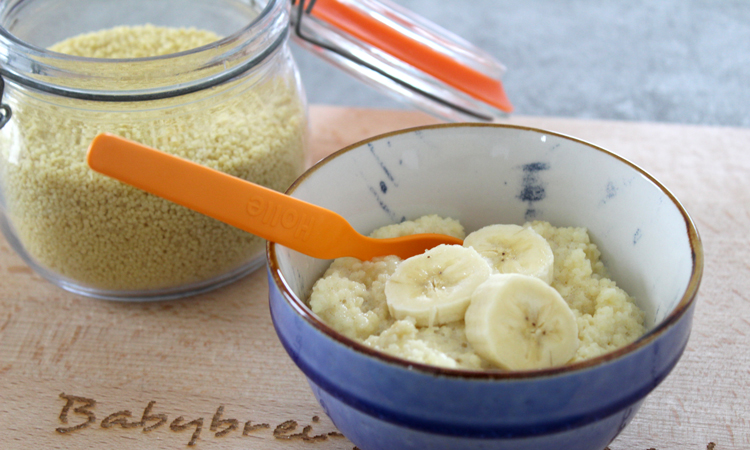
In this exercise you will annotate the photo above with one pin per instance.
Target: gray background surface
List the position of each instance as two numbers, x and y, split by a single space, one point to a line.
643 60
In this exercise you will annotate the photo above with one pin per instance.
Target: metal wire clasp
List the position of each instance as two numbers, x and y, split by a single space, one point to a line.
5 111
304 7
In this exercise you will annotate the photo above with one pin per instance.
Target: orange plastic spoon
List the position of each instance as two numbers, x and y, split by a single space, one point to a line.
274 216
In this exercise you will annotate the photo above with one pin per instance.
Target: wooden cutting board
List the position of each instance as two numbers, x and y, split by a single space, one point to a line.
80 373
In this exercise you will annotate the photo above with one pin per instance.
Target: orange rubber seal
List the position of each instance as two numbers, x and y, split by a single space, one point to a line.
418 55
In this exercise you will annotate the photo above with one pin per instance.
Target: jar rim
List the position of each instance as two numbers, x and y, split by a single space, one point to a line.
19 58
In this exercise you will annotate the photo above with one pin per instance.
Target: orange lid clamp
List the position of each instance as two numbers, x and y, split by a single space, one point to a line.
393 49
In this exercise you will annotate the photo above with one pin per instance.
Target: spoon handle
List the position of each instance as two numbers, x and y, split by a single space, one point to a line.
263 212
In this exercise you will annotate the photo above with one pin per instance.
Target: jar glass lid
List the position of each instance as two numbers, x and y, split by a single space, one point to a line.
403 55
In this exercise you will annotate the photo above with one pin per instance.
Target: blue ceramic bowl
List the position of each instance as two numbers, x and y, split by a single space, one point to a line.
484 174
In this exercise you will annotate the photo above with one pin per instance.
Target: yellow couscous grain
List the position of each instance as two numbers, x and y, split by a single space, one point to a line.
104 235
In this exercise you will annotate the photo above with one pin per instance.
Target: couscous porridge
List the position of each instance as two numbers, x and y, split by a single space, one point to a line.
563 307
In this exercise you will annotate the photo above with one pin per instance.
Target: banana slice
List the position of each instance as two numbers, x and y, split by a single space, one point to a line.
518 322
514 249
435 287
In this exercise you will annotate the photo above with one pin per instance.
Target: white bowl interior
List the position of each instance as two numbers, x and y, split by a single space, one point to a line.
485 174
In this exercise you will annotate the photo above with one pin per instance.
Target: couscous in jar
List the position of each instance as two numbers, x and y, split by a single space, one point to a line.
213 82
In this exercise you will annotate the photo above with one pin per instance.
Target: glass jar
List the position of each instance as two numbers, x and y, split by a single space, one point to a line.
233 103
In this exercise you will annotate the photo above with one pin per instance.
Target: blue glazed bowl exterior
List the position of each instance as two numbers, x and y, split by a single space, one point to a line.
383 402
379 404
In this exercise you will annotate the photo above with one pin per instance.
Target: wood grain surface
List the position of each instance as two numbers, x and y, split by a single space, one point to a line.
81 373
